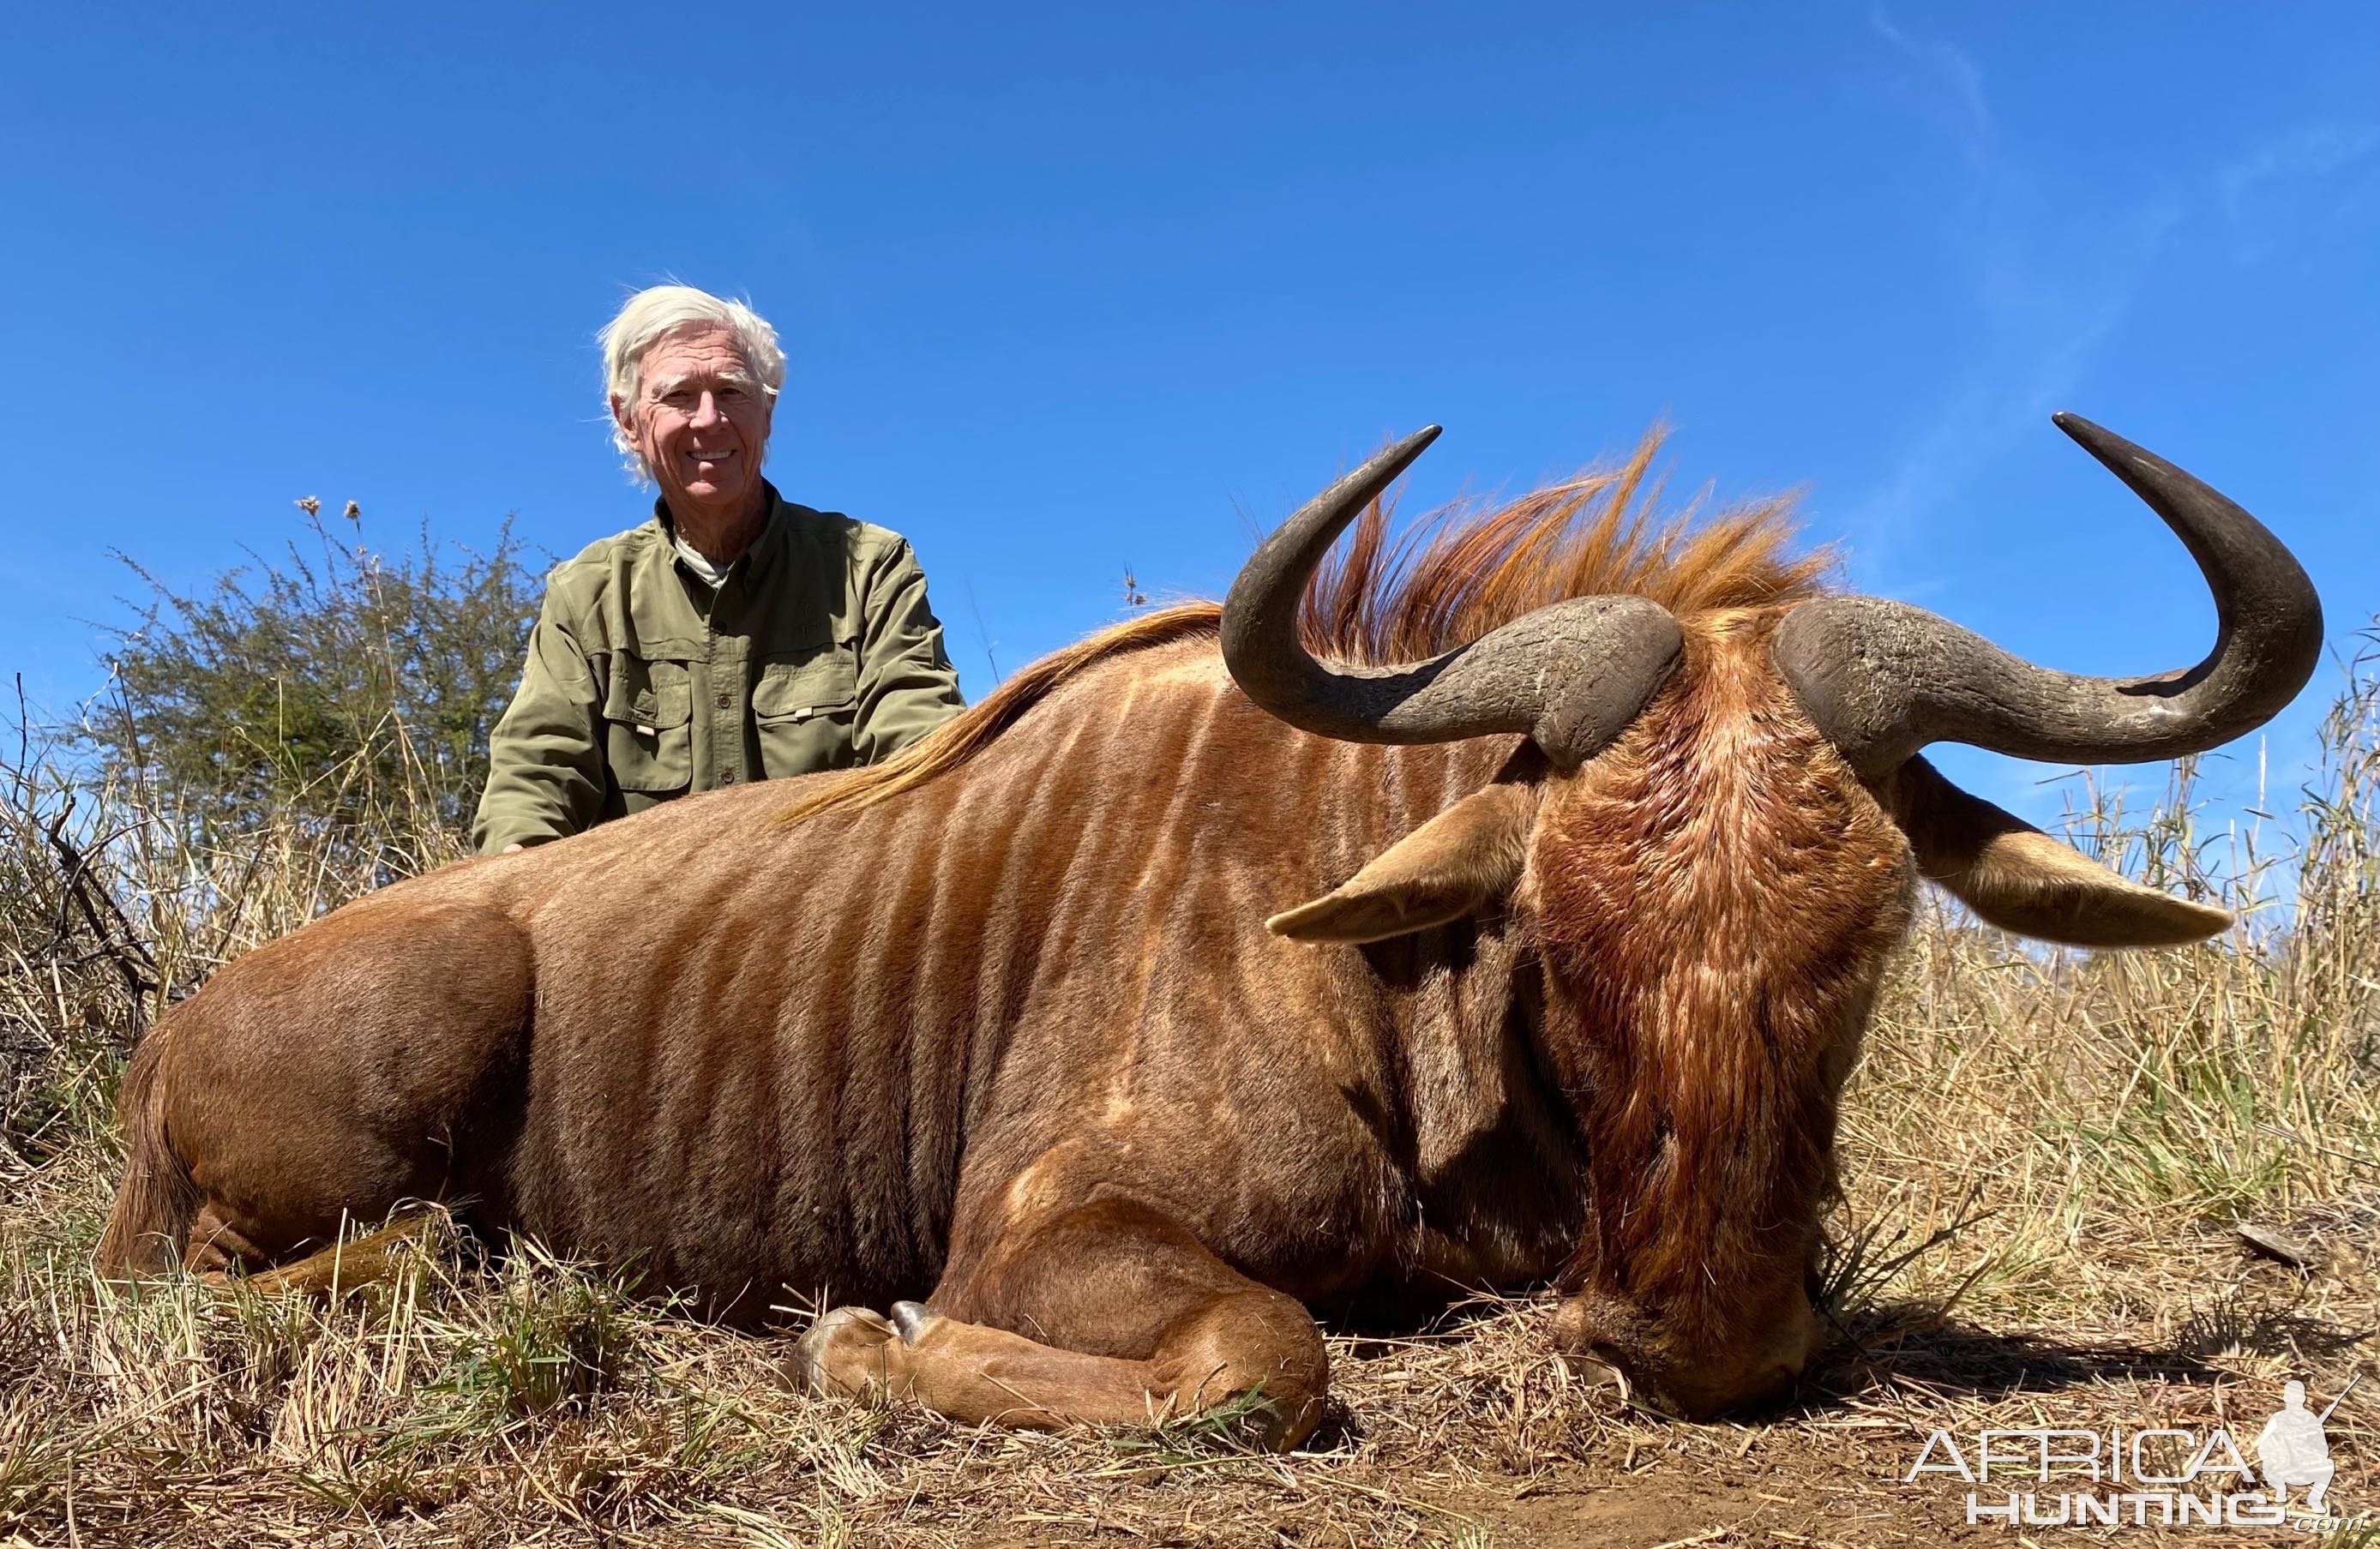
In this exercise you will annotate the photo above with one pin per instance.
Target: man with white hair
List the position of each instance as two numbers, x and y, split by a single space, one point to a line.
736 635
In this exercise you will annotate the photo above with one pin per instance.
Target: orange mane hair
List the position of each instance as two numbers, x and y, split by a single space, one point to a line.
1461 572
1464 570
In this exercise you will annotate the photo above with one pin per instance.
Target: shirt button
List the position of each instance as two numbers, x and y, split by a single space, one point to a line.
725 700
727 777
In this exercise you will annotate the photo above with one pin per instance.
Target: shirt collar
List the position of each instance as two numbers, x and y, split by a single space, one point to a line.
754 559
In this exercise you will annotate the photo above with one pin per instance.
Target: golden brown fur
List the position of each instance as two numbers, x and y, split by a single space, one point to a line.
1723 899
967 734
1029 1053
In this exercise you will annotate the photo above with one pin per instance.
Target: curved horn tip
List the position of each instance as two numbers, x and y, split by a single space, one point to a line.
2097 440
2085 431
1397 458
1374 475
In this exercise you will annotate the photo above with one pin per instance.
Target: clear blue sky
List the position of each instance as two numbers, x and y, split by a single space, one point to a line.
1069 289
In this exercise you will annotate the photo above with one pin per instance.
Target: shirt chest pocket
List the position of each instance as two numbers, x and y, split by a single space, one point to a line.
646 739
802 707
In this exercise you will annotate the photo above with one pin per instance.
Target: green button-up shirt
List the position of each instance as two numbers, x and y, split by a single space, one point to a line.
817 652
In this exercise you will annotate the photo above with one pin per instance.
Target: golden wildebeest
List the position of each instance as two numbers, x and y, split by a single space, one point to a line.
1585 914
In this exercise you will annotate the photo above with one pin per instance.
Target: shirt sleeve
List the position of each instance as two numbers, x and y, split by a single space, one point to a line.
907 683
545 757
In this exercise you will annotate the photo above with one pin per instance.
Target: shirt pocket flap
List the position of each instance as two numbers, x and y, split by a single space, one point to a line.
796 688
654 695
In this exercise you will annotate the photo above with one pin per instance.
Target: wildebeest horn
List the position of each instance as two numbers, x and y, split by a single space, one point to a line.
1883 679
1572 675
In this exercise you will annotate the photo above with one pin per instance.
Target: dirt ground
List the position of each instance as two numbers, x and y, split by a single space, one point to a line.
1467 1437
1831 1470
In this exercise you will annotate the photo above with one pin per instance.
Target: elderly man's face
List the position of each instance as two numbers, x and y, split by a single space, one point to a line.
700 420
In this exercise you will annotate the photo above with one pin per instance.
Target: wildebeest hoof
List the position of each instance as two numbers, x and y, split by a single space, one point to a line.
913 1319
809 1368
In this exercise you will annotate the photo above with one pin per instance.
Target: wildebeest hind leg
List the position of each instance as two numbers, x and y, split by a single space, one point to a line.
1130 1320
318 1083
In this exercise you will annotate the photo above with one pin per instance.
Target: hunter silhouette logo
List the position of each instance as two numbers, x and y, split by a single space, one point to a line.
2293 1448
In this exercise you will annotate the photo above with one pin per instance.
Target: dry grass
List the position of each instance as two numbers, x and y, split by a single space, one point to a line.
2047 1162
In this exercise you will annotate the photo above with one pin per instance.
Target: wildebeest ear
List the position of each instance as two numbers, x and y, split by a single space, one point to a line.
1452 865
2020 879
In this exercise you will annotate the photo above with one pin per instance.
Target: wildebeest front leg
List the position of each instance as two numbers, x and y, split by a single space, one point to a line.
1110 1314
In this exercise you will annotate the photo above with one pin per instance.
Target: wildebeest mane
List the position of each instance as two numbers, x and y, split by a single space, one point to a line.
1462 570
1475 567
